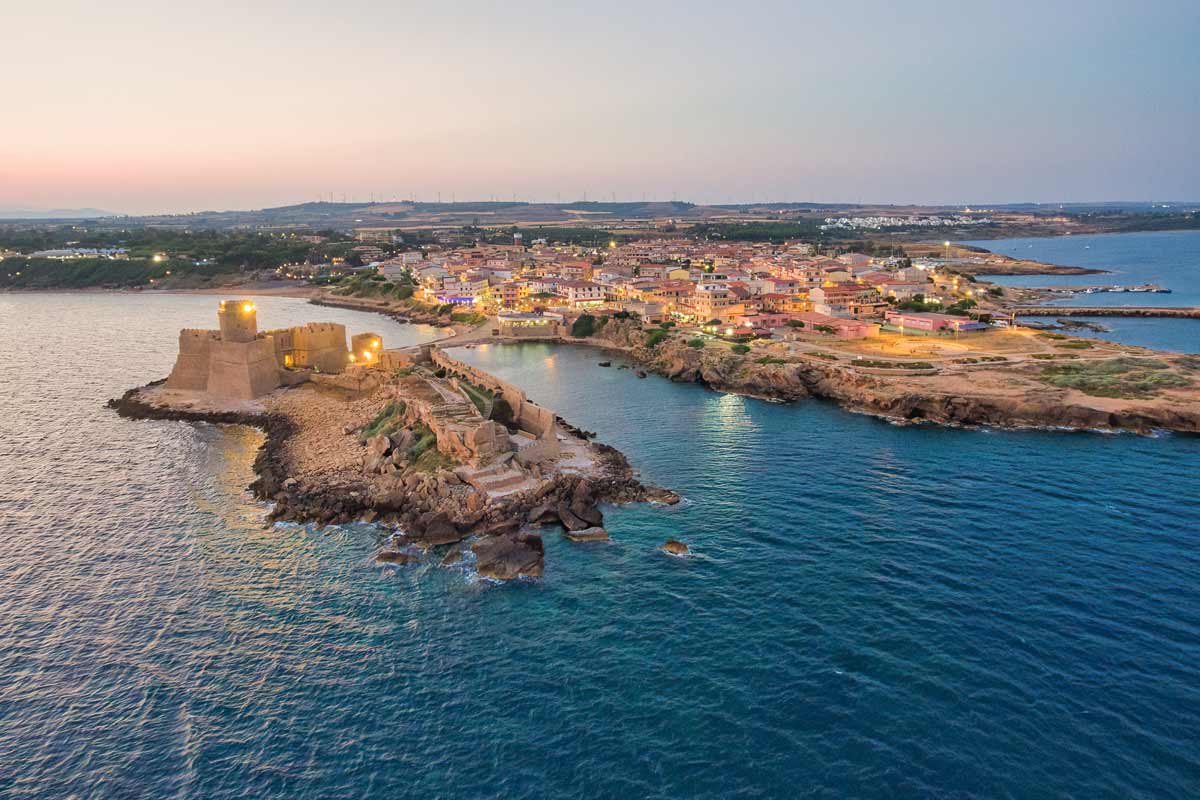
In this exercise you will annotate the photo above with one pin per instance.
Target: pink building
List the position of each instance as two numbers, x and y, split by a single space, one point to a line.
929 322
815 322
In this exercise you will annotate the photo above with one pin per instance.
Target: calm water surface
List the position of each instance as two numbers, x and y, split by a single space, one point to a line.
1170 259
870 610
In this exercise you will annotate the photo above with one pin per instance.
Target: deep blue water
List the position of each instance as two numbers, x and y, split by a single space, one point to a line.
871 611
1170 259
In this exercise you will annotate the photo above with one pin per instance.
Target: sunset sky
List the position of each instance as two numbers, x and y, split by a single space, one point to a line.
175 106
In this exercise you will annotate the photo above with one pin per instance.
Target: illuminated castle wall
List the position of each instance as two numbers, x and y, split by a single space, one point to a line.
238 362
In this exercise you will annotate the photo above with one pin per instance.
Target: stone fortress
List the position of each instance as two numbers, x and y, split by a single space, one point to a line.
499 439
238 362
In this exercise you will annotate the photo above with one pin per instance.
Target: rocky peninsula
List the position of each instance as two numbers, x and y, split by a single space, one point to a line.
1016 379
414 440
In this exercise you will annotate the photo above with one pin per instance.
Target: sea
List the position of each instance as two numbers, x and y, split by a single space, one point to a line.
867 610
1170 259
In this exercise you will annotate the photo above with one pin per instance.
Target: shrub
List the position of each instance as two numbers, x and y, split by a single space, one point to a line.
795 323
1115 377
502 412
740 349
655 337
584 326
769 360
696 343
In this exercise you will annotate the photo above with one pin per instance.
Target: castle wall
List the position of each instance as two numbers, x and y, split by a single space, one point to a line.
243 370
528 416
320 346
192 364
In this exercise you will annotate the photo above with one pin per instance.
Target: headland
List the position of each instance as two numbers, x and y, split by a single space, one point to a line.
411 438
1015 377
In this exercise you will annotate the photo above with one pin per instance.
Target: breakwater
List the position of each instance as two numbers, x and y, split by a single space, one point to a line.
1105 311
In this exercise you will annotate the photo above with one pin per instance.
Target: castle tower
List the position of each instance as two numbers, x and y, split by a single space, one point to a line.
239 321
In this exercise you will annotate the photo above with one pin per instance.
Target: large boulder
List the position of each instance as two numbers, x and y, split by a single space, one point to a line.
394 557
587 512
675 547
507 557
588 535
569 519
436 528
544 513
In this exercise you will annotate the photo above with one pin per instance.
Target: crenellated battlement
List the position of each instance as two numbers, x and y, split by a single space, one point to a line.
237 360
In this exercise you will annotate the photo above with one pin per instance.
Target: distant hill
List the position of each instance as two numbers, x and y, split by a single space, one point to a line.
55 213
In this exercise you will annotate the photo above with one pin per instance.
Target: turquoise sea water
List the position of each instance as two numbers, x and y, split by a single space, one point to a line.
870 611
1170 259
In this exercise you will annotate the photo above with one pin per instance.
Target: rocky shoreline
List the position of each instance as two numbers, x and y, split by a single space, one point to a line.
427 509
965 400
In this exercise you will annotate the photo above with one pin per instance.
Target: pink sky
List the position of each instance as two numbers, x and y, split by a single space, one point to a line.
142 107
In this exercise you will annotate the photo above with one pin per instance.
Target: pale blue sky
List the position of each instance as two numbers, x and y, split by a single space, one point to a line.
147 106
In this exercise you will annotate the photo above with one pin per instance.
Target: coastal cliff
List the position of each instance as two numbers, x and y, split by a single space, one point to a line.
998 395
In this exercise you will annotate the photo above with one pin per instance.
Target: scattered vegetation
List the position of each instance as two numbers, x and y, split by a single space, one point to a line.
479 396
698 344
468 317
765 360
1123 377
656 337
875 364
388 421
425 440
740 349
584 326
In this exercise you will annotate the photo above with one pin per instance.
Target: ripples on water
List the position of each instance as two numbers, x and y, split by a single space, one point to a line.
870 610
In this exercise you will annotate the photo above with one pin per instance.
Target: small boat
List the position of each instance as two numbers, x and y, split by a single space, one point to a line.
604 363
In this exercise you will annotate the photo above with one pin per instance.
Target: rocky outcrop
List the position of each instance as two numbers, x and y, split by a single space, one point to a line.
675 547
510 556
898 398
587 535
394 557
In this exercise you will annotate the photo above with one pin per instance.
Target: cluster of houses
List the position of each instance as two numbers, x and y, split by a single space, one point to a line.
734 289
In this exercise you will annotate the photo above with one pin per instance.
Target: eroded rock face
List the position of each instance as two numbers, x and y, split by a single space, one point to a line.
675 547
507 557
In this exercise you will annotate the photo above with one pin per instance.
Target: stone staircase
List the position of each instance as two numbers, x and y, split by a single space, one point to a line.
496 479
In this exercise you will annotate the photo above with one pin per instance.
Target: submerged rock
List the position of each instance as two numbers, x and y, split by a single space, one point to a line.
588 535
394 557
675 547
657 494
604 363
508 557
